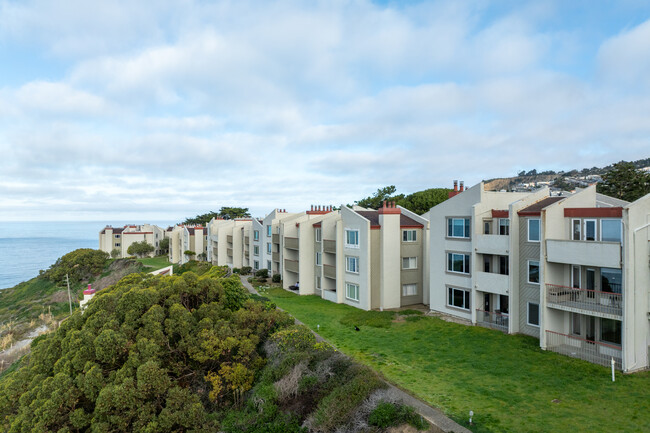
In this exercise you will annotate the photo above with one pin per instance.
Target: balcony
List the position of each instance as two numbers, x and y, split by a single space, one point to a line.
291 243
586 253
492 283
246 240
229 252
492 244
575 347
276 238
229 239
490 319
329 271
275 257
591 302
291 265
214 238
330 295
329 246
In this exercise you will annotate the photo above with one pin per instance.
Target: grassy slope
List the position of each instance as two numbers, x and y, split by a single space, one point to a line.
28 299
507 381
155 263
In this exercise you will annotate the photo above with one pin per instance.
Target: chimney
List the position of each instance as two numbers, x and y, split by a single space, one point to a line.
462 186
455 186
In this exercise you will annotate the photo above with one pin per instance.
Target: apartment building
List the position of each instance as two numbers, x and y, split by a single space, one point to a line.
121 238
271 257
256 244
229 242
594 279
183 238
470 261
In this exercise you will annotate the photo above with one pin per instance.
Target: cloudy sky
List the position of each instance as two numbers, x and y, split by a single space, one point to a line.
160 110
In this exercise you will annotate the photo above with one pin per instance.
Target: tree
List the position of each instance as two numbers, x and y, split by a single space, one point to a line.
115 253
189 253
421 201
225 212
624 181
164 246
375 201
79 264
140 249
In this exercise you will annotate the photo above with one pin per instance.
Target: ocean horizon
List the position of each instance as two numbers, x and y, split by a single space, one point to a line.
31 246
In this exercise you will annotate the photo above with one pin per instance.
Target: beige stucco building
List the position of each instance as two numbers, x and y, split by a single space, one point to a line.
121 238
183 238
229 242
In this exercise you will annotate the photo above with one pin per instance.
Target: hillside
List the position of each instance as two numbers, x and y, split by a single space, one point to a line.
190 353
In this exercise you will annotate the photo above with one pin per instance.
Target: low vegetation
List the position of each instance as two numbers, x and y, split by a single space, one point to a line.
509 383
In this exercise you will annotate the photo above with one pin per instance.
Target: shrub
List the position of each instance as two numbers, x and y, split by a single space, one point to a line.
115 253
262 273
79 264
236 270
391 414
277 278
295 338
245 270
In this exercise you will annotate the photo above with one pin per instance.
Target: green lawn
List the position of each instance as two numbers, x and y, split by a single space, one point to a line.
155 263
508 382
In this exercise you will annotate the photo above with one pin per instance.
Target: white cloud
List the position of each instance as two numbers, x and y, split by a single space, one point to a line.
624 59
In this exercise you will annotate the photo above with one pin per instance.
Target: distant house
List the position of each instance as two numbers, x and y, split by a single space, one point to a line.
121 238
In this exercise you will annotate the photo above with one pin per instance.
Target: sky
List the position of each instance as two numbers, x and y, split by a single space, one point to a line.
162 110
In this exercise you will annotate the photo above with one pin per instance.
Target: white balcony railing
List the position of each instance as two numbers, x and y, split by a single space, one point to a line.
604 304
491 319
592 351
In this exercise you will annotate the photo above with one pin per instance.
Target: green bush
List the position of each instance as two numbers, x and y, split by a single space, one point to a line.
245 270
262 273
294 338
236 270
277 278
79 265
389 414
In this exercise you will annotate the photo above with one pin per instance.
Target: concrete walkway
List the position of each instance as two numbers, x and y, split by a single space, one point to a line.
439 421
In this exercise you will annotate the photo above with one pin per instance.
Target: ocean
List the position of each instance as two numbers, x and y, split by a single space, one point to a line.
27 247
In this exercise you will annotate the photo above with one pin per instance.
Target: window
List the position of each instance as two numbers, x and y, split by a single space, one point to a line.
590 230
352 238
409 235
504 265
458 263
319 259
458 298
256 250
533 230
610 331
533 271
575 230
352 291
487 260
575 277
504 226
256 265
610 230
533 314
256 235
409 289
611 280
117 244
487 227
268 265
318 283
575 323
458 227
117 236
318 234
269 229
268 247
409 262
352 264
503 304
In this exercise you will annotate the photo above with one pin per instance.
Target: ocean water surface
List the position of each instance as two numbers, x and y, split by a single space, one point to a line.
27 247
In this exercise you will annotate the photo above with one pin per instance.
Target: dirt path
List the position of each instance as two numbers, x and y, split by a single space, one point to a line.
439 421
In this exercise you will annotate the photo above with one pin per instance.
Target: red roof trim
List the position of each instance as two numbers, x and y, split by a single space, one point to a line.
318 224
529 213
412 226
377 227
498 213
597 212
137 233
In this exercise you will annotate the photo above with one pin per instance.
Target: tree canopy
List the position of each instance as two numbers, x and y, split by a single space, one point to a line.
418 202
140 249
624 181
225 212
79 264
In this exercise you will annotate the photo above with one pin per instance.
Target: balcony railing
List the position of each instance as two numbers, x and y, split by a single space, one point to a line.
275 257
291 265
592 351
275 238
246 240
491 319
603 304
229 239
291 243
229 252
329 246
329 271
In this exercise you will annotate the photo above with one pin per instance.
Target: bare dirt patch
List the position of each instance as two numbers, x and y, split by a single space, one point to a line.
118 270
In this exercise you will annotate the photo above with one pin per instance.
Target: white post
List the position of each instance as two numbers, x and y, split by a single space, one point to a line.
613 364
471 414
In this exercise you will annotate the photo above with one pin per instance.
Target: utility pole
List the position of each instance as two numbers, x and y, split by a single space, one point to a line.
67 280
